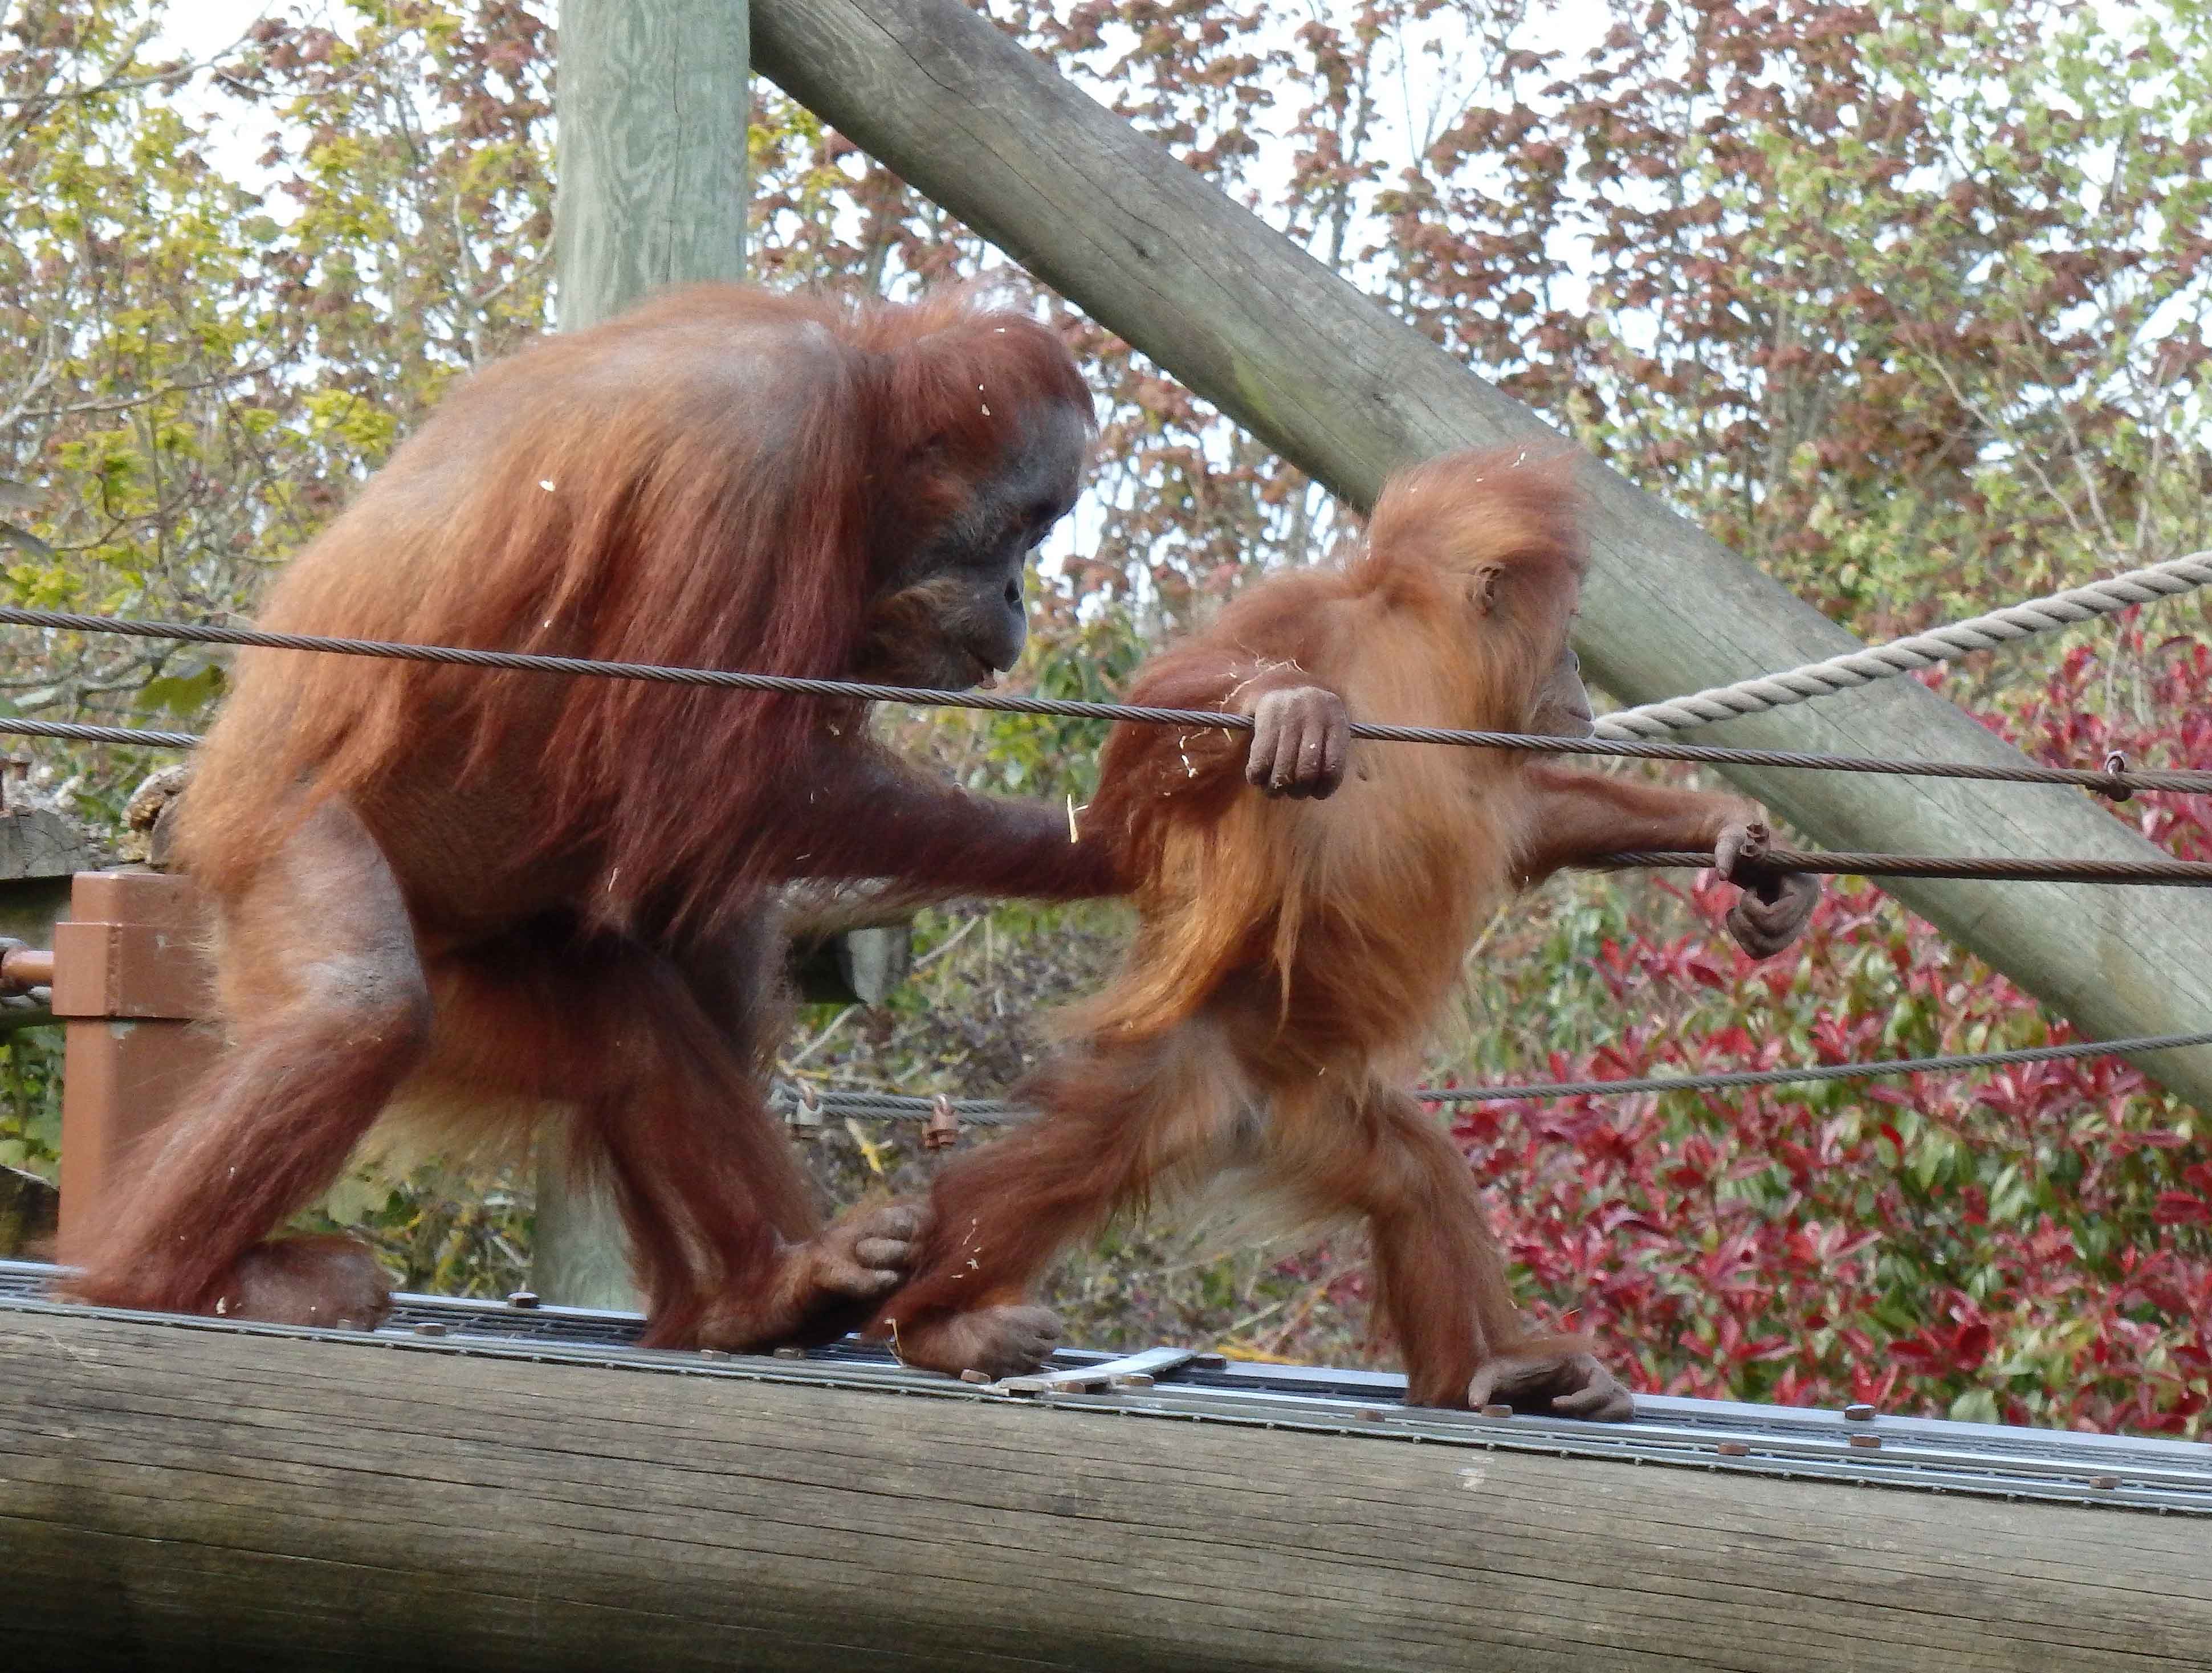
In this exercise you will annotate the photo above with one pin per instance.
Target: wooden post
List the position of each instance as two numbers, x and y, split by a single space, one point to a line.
131 988
855 967
1329 378
655 104
41 851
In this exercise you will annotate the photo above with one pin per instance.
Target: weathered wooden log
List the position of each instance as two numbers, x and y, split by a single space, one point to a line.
174 1497
1330 378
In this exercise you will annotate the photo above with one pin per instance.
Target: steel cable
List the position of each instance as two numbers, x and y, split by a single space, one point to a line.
997 1111
2111 784
2185 874
2181 872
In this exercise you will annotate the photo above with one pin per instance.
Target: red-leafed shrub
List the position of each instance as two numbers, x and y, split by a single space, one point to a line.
2032 1244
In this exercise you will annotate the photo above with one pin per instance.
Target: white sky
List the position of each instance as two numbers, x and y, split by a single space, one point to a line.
199 27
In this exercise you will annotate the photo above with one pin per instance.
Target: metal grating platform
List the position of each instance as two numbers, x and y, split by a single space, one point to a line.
2173 1477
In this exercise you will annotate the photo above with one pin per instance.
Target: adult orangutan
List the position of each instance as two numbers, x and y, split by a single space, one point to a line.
467 893
1291 957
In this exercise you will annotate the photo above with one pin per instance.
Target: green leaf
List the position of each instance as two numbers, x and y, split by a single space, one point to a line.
183 693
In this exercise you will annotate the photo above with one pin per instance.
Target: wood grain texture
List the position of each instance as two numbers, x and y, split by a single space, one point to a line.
174 1497
1330 378
653 103
39 843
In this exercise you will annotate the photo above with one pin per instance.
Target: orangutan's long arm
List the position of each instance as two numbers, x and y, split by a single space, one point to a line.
1573 818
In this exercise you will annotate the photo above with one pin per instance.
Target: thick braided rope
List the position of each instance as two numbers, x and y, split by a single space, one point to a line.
998 1112
1938 645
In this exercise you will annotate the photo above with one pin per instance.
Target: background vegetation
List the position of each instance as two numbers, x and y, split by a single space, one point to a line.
1906 302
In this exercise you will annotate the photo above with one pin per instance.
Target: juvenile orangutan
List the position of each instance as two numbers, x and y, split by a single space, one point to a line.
1293 955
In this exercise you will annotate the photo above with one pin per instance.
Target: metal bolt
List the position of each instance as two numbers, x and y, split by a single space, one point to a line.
1131 1380
1733 1449
429 1327
1867 1442
713 1354
1372 1414
1498 1409
2117 761
524 1300
2106 1482
791 1353
972 1375
942 1131
1858 1414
